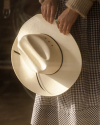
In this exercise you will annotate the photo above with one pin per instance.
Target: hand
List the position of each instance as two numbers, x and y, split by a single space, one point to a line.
66 20
48 10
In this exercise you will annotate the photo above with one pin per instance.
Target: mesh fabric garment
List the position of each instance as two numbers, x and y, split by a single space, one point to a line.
80 105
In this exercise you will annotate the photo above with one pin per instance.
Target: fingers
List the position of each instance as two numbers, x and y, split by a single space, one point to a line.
64 27
66 20
53 10
61 24
48 10
68 29
43 12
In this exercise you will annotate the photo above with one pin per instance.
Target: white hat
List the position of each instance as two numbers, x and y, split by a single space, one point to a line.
45 61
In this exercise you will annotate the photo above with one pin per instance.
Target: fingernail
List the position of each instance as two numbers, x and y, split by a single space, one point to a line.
64 33
51 21
67 32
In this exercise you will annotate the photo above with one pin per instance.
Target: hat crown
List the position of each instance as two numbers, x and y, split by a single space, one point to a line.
24 66
41 53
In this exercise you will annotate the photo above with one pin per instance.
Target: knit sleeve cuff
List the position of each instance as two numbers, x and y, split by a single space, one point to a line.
80 6
41 1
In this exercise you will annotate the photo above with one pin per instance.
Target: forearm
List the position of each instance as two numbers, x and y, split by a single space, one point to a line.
80 6
41 1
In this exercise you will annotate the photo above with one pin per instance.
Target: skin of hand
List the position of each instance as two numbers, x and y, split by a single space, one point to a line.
66 20
48 10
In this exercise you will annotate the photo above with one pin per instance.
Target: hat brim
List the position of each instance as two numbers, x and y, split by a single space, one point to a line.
62 80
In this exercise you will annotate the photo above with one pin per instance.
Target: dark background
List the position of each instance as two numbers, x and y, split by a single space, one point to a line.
16 102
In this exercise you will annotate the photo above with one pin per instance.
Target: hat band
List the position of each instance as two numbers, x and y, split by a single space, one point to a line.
41 53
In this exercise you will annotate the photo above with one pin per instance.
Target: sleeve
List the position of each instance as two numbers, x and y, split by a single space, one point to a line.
41 1
80 6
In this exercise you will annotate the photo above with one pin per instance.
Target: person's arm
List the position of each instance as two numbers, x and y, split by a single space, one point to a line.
70 15
80 6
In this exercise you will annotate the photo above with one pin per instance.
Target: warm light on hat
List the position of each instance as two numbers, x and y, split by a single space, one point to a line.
44 60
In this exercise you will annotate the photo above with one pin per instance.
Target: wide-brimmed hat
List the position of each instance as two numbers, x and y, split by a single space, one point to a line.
45 61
